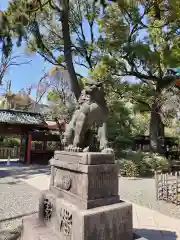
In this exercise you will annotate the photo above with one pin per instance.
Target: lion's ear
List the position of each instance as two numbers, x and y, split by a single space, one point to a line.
99 84
88 89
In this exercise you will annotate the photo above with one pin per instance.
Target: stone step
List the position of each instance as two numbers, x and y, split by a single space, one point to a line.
33 229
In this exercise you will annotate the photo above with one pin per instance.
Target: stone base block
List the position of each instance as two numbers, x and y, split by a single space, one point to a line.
68 222
82 202
113 222
87 180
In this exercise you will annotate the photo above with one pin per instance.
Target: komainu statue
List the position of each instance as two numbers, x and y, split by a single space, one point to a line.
91 111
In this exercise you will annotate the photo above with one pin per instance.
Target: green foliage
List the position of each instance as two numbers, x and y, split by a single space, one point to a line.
127 168
52 96
42 30
146 56
55 30
141 163
122 124
141 124
9 142
153 162
144 49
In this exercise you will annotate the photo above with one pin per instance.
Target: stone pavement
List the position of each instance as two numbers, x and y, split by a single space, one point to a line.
146 222
154 225
135 190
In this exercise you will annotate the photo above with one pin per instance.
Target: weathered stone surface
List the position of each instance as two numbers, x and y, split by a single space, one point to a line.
91 109
85 185
90 185
108 222
82 202
113 222
88 158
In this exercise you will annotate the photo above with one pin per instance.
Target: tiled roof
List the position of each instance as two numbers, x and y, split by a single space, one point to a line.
20 117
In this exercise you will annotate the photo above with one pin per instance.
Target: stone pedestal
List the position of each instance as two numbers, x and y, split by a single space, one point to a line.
82 202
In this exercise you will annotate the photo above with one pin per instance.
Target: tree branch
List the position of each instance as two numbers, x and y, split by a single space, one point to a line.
18 64
38 8
81 64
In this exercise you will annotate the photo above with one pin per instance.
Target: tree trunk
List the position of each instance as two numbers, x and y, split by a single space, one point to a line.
156 131
64 6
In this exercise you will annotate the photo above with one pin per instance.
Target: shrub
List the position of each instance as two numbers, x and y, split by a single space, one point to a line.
153 162
127 168
136 156
143 164
10 142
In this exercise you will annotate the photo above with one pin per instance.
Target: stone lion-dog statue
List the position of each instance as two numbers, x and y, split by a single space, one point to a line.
91 110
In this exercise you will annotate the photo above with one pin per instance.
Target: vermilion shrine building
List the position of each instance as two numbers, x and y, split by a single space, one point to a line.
34 132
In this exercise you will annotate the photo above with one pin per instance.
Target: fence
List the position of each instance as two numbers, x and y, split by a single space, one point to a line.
9 152
168 187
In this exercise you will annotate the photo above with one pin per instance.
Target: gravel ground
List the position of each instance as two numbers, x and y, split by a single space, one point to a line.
142 192
17 197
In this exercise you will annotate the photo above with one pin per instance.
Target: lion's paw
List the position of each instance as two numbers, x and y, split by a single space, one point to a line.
86 149
76 149
71 148
68 148
107 150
